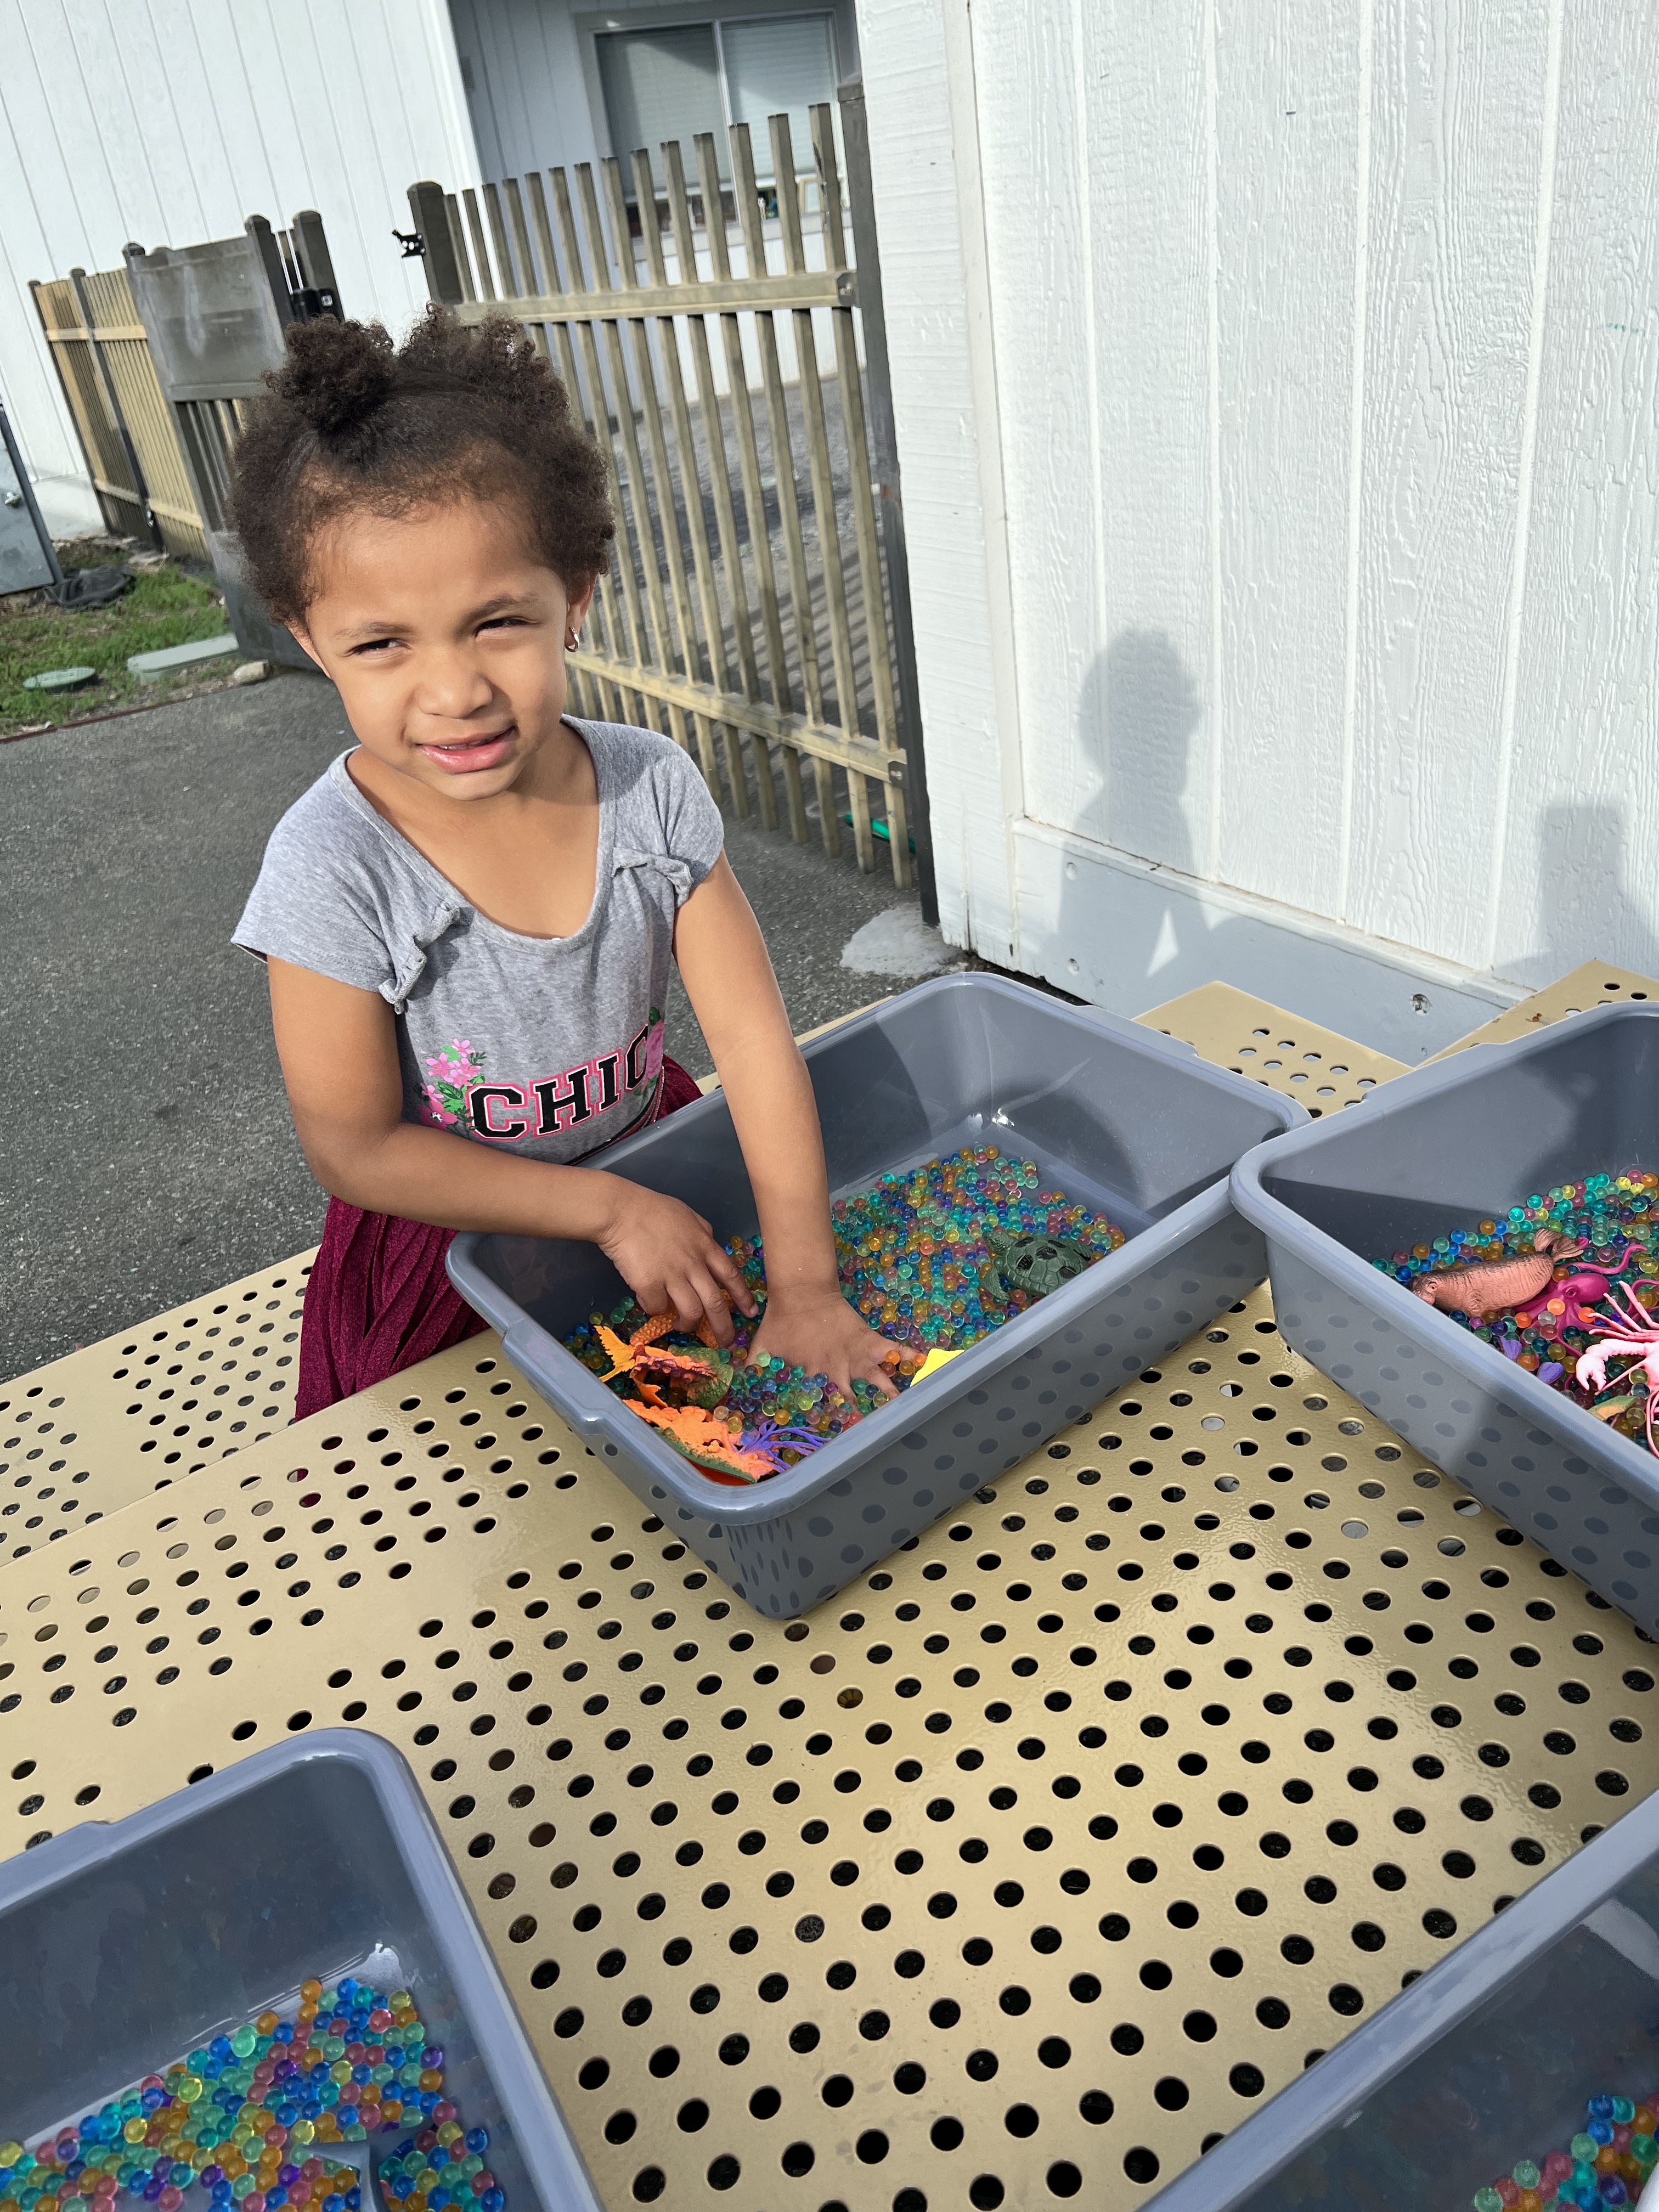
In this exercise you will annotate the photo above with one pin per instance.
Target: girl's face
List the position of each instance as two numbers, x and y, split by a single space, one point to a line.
446 636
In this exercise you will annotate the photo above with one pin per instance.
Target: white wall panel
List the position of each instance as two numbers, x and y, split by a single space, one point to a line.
919 87
1575 877
528 100
171 121
1099 265
1321 433
1457 138
1288 224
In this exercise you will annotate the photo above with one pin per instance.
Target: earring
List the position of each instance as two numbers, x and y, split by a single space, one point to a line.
573 641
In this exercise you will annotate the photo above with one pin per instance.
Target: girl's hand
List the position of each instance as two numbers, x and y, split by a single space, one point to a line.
667 1256
819 1332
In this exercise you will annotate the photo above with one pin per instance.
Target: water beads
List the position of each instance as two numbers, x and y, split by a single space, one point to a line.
1606 2163
1615 1219
933 1256
251 2115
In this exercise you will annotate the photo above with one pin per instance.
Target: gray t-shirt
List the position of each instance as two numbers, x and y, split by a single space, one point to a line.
547 1047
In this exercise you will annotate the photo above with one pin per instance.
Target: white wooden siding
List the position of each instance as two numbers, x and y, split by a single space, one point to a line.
171 121
527 95
1310 352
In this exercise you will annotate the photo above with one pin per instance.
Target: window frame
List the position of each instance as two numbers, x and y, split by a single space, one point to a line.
676 13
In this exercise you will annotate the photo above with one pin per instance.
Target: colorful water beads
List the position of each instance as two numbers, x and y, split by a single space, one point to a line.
1606 2163
934 1257
922 1252
250 2115
1616 1219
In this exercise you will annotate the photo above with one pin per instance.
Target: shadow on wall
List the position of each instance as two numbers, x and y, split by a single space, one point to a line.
1148 941
1587 908
1138 714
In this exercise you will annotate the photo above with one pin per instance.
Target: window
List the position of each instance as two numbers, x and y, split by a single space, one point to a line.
676 81
660 84
776 64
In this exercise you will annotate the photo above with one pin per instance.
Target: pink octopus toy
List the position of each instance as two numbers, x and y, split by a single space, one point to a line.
1632 1331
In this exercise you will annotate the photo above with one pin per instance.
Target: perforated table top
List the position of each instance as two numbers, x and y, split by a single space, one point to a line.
86 1434
1015 1874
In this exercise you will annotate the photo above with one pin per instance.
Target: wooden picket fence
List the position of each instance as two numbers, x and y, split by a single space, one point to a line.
747 603
126 427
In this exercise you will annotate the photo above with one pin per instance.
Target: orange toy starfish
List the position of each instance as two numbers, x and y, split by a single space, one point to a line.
704 1437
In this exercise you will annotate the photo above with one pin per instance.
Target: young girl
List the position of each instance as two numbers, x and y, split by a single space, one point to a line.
468 920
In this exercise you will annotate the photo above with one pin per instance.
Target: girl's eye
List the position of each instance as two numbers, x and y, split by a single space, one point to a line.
373 645
501 622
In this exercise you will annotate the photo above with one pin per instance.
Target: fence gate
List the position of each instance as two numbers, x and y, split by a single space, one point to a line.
216 316
102 357
706 329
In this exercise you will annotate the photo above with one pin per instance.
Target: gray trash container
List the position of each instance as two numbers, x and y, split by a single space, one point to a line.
124 1944
1490 2058
1120 1117
1457 1142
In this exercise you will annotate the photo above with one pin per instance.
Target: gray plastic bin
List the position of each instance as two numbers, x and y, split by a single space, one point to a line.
1450 1144
1488 2059
124 1944
1121 1117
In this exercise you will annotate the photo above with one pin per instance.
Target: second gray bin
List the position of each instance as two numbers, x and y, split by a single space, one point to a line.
1450 1144
1120 1117
124 1944
1488 2058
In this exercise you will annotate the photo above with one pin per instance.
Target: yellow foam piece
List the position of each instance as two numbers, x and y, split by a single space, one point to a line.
930 1365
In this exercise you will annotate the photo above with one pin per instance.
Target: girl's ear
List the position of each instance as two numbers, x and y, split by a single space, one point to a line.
578 602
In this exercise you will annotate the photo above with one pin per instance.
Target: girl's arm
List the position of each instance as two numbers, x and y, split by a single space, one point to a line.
723 958
338 1048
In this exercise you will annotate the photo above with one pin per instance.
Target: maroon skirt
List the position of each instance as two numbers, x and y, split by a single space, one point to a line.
378 1299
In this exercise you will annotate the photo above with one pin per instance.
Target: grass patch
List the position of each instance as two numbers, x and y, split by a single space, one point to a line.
166 606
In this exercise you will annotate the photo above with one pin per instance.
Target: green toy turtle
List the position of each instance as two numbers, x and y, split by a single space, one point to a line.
1035 1265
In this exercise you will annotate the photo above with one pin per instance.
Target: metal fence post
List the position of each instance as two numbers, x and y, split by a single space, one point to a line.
316 263
271 259
890 508
113 401
430 210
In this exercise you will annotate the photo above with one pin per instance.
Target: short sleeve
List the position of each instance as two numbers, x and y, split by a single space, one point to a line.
691 826
312 908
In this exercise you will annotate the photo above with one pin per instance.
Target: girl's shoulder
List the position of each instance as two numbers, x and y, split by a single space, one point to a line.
625 754
656 791
331 823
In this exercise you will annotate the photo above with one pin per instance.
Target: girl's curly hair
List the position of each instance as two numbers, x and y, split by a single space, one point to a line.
350 421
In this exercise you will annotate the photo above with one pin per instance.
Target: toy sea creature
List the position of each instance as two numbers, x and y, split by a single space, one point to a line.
647 1332
766 1440
702 1378
1633 1332
1035 1265
704 1437
1497 1286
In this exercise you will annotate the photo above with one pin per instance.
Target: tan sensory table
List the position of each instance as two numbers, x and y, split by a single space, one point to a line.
1017 1873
